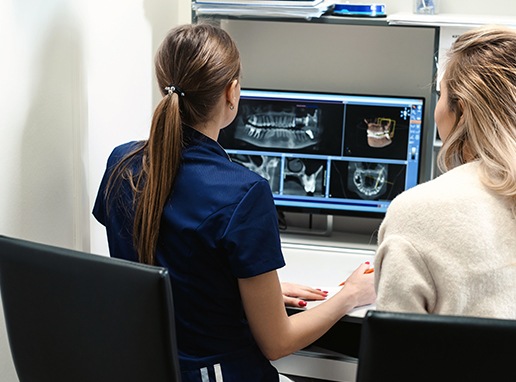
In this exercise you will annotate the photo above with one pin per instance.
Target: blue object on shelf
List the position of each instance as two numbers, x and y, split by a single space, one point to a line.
367 10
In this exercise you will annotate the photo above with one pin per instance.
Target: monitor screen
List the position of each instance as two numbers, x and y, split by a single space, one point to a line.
328 153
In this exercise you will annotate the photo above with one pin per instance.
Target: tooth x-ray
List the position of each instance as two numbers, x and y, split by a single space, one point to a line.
303 177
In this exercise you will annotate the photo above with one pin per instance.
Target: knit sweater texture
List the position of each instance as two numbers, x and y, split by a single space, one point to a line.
448 246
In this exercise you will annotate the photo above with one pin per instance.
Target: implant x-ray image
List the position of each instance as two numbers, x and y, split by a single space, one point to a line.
366 180
377 131
380 131
284 126
266 166
303 177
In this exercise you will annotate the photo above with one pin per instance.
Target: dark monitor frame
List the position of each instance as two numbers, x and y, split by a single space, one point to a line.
329 205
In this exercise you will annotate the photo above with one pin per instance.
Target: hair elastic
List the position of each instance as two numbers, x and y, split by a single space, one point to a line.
174 89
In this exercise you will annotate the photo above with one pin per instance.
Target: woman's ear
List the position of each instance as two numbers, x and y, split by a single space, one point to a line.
233 92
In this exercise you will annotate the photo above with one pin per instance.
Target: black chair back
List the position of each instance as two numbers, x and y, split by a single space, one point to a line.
416 347
73 316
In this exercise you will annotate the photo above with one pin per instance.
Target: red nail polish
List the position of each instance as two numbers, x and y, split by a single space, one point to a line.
367 262
302 304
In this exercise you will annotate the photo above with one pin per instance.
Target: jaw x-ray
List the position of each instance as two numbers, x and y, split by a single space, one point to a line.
278 126
368 180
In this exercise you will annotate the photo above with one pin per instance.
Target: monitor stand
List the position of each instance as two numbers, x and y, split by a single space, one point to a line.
325 230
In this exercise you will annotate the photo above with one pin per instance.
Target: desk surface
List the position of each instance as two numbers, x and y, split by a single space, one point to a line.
321 265
342 240
324 263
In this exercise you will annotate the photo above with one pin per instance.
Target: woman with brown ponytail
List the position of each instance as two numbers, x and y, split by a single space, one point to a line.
177 201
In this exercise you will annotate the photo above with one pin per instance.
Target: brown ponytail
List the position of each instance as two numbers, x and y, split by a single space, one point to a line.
161 164
194 65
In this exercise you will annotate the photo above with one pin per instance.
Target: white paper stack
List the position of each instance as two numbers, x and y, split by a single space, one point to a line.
265 8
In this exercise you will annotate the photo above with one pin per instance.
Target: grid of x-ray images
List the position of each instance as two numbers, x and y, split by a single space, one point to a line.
318 150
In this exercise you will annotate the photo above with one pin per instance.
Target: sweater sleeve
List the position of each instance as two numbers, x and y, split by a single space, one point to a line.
402 279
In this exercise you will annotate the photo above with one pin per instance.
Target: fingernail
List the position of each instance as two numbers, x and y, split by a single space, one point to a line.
367 262
325 291
302 304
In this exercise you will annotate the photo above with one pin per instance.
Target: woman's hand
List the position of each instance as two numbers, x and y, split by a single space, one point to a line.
359 287
296 295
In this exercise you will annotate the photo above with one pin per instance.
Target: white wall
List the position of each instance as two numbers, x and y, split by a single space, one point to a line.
42 122
76 79
42 93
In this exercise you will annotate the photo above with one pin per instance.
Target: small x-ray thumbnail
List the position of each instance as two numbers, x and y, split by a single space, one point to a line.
269 167
376 132
303 176
366 180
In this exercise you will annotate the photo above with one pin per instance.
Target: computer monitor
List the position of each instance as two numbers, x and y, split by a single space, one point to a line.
329 153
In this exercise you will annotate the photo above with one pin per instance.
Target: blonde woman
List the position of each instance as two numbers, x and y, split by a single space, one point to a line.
449 246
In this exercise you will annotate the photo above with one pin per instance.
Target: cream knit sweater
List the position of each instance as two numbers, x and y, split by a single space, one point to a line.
448 246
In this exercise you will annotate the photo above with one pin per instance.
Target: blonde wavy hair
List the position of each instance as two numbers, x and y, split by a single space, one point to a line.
480 77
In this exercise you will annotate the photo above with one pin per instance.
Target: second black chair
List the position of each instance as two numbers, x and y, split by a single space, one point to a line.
418 348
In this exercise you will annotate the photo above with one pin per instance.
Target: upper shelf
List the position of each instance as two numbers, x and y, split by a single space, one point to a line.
369 21
396 19
449 20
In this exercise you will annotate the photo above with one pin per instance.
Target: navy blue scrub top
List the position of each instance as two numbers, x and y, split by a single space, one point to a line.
219 224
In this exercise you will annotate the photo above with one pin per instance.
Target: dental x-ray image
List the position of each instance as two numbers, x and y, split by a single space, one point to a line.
366 180
380 131
304 177
377 132
369 180
285 126
269 167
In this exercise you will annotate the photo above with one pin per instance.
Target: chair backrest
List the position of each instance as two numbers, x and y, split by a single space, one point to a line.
416 347
73 316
